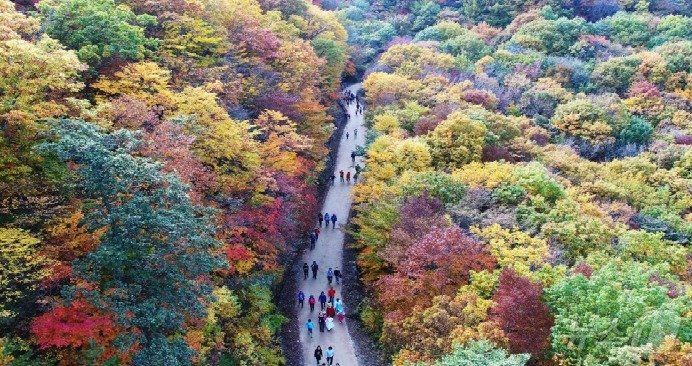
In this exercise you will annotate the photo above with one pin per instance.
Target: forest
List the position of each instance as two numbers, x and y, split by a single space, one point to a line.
526 197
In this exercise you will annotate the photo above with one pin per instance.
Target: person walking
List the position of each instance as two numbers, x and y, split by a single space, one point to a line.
341 176
337 275
318 354
326 219
320 218
313 240
301 298
323 300
306 268
331 292
321 321
329 353
355 133
339 306
346 135
348 177
314 267
353 157
333 178
311 302
310 326
330 275
331 313
317 232
333 221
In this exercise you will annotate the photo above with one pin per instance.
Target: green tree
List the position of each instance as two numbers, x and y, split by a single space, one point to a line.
616 307
551 36
156 247
614 75
481 353
98 29
631 29
425 13
637 132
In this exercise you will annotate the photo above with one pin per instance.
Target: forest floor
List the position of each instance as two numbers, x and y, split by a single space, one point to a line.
329 252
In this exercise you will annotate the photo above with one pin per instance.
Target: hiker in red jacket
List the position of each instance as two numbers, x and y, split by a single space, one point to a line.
312 302
331 293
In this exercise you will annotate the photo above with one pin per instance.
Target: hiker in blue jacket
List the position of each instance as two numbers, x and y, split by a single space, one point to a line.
301 298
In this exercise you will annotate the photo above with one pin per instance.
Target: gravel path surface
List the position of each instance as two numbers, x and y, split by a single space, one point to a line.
329 253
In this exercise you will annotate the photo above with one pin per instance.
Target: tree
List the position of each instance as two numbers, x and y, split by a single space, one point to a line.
438 263
513 248
158 246
618 306
81 332
631 29
615 74
521 314
37 80
551 36
425 14
14 24
583 118
637 132
145 81
458 140
444 322
23 267
98 30
481 353
469 44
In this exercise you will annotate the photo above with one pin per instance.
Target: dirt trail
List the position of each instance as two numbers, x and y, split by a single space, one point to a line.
328 253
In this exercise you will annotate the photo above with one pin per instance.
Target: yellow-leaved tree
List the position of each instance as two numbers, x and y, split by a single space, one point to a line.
458 140
21 268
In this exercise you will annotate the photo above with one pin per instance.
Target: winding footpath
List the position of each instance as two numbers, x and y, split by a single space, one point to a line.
329 252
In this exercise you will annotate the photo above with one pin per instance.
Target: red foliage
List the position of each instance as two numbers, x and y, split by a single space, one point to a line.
520 313
73 328
644 89
257 228
495 153
417 216
168 144
425 125
437 264
480 97
131 113
583 268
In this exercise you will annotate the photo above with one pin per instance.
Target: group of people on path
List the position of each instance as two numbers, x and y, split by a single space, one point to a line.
349 98
331 274
328 353
330 307
325 219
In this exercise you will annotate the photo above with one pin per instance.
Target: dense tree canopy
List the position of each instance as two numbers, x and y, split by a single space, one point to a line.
558 138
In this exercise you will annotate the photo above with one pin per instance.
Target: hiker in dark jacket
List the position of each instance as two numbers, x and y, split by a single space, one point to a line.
315 267
333 221
323 300
306 268
337 275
